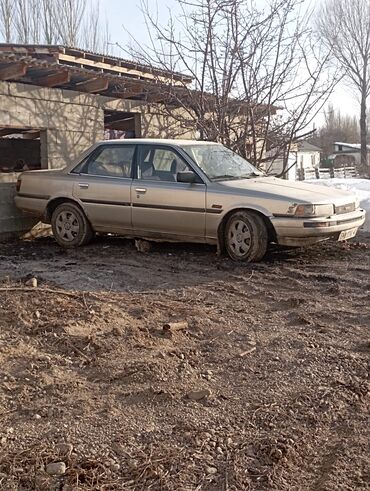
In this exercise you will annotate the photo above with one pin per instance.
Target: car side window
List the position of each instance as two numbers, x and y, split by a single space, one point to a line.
111 161
160 164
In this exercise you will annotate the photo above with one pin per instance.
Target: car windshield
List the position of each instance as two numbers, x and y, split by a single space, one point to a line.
221 164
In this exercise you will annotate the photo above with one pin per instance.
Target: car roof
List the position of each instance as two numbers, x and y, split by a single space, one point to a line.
160 141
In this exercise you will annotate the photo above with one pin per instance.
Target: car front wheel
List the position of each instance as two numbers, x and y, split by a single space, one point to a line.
246 236
70 226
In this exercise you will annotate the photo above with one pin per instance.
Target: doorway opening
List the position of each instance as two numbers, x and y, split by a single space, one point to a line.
119 125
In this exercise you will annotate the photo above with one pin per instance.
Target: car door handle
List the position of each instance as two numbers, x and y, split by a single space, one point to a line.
140 190
83 185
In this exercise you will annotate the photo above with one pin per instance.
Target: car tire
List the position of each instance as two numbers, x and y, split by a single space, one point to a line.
70 226
246 236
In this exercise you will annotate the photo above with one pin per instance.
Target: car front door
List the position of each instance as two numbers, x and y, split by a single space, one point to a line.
160 204
103 185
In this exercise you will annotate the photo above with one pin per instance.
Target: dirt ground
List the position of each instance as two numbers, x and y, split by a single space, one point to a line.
266 388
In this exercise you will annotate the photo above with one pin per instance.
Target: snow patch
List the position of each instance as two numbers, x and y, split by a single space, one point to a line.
360 187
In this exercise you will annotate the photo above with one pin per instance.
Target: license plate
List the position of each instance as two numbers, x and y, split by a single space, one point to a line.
347 234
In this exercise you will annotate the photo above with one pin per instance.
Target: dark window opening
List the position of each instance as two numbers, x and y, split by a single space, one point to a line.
119 125
20 150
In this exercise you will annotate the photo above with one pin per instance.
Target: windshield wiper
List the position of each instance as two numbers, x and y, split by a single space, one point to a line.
243 176
252 174
224 177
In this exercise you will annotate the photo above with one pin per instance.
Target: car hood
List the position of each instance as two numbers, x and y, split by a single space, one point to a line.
291 190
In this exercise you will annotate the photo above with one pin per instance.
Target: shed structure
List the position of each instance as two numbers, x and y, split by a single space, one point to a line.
56 101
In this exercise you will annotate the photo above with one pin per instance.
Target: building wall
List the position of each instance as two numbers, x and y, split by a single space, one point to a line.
308 160
72 121
297 163
276 167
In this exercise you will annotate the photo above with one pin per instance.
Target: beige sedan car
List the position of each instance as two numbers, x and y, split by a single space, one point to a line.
186 191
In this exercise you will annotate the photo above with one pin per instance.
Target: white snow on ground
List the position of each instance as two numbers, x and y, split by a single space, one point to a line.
361 187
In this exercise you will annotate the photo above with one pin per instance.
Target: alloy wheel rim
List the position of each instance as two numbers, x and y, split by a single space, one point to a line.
239 238
67 225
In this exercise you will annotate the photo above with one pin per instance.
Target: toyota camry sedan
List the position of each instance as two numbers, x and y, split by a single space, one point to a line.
185 191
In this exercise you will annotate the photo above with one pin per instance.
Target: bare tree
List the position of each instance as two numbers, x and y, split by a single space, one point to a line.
27 28
247 65
48 16
344 26
336 128
95 35
70 17
71 22
6 19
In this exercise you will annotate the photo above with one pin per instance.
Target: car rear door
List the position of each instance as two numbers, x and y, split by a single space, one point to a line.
103 185
160 204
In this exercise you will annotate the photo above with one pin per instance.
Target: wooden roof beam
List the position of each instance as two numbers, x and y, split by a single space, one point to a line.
119 66
54 79
123 125
129 92
92 86
31 135
158 97
9 131
110 120
13 71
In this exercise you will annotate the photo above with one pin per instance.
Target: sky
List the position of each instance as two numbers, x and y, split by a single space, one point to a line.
125 15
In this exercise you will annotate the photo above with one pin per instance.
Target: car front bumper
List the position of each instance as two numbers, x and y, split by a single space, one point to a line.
295 232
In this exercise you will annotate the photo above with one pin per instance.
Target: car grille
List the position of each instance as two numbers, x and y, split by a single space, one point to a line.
348 208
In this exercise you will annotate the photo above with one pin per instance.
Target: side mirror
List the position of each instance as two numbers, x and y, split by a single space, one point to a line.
187 176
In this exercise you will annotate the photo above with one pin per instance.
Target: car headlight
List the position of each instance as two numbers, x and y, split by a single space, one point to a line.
311 210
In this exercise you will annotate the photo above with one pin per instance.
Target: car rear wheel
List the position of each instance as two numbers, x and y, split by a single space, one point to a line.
246 236
70 226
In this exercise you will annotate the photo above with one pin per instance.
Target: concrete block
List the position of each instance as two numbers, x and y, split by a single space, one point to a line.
7 177
67 140
7 192
34 92
4 117
16 226
24 117
120 104
74 117
12 221
4 88
26 91
58 162
6 103
75 97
